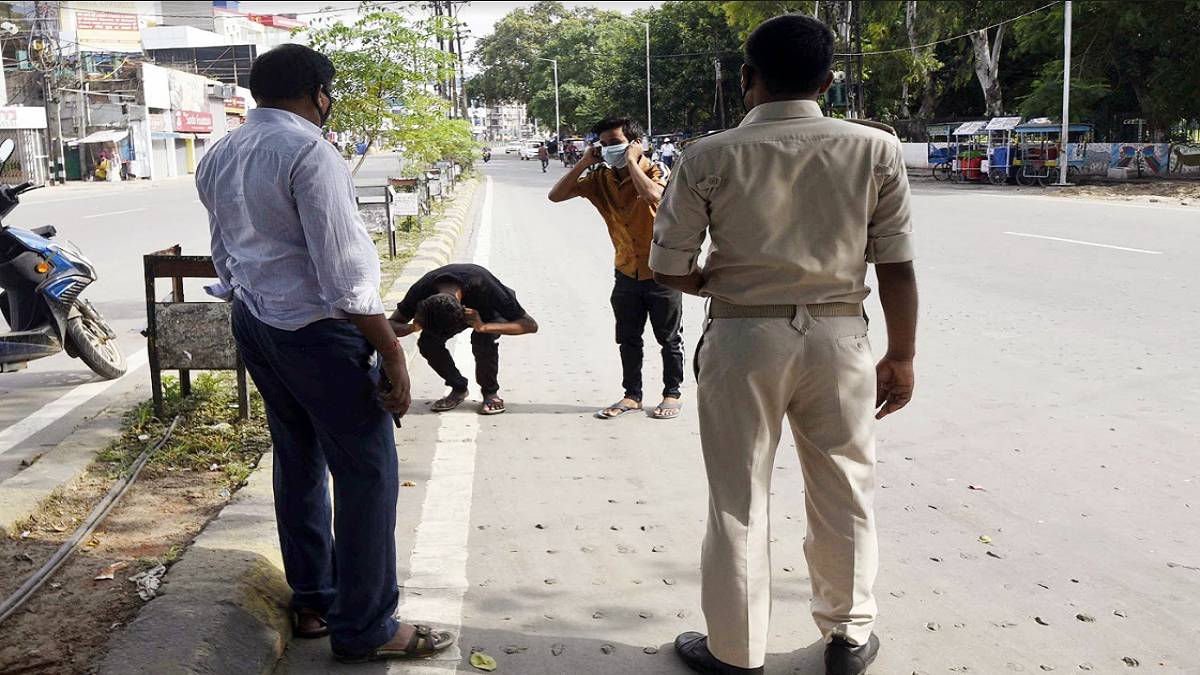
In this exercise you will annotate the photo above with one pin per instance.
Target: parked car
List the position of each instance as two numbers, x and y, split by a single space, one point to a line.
530 149
513 146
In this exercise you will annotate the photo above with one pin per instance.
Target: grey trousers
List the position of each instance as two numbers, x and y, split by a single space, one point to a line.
819 373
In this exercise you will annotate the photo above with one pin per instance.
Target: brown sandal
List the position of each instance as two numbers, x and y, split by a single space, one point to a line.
309 624
425 643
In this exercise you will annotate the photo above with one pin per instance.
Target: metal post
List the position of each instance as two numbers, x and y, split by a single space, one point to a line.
557 116
1066 108
649 115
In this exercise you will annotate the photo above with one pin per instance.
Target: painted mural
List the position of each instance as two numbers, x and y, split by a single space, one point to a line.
1185 158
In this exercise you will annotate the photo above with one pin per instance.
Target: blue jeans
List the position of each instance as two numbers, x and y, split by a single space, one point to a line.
318 384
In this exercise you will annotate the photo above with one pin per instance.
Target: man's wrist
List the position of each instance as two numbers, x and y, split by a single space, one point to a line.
392 351
906 355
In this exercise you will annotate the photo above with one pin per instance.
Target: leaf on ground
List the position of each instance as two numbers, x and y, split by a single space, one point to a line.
483 661
408 483
111 571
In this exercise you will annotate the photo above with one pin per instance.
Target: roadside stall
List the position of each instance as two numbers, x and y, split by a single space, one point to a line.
970 151
1001 165
1039 148
940 148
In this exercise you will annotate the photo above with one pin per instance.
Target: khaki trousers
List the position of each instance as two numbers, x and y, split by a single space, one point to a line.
819 372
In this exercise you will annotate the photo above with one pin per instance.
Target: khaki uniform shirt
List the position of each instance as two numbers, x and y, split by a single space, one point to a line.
796 205
630 219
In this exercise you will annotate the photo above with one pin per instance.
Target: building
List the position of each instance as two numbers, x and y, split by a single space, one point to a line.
506 122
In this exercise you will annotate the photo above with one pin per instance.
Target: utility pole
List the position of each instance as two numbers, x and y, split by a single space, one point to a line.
720 97
44 42
557 117
1063 158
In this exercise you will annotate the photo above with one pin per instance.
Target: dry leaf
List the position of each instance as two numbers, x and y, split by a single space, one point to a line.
408 483
483 661
111 571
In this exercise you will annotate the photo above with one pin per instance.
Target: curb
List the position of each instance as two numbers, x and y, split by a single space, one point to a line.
224 607
21 495
438 248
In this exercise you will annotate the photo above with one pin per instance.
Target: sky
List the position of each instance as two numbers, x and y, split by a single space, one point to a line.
480 17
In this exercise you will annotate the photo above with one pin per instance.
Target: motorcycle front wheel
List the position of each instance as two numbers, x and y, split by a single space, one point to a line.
95 348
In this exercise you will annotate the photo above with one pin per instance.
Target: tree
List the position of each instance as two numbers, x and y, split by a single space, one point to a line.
385 61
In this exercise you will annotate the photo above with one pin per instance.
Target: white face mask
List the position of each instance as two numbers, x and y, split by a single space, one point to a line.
614 155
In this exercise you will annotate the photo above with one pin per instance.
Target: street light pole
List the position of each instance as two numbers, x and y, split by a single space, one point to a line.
1063 158
649 116
557 117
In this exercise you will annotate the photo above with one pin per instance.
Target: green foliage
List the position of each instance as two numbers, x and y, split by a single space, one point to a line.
385 62
1130 59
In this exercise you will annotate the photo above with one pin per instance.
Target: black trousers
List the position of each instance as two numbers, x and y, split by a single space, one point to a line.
318 385
486 349
633 302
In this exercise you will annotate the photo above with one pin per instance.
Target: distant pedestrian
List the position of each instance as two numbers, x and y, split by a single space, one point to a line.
544 155
446 302
796 206
625 187
668 153
303 275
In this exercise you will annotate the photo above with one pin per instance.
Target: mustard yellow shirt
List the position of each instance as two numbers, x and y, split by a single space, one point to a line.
630 219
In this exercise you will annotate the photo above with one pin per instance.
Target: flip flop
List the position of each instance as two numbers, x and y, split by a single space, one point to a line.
619 407
656 414
483 410
303 613
425 642
448 403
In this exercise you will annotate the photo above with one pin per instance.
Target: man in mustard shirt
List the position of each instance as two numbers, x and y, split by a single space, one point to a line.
625 187
796 206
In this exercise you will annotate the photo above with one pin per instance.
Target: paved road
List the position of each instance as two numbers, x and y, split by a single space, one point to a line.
114 225
1056 373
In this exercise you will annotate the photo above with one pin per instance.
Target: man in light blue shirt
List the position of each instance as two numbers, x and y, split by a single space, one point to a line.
293 256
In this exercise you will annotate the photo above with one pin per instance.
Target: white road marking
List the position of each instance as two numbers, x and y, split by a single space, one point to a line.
1085 243
114 213
58 408
437 577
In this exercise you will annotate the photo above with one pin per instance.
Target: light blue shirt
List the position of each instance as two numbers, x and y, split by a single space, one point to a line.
287 238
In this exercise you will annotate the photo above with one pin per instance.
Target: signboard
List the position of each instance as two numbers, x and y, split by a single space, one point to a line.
159 122
21 117
107 26
970 128
188 91
434 182
1003 123
405 204
196 122
235 105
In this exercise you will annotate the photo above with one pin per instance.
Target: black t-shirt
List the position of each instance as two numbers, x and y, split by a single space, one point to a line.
482 292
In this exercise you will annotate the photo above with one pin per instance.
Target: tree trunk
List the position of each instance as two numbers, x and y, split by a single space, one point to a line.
987 69
361 159
910 24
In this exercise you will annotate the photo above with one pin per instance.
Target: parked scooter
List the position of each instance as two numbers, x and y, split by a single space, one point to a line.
40 284
487 155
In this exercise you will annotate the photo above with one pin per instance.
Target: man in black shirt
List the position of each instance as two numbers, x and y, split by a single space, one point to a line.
446 302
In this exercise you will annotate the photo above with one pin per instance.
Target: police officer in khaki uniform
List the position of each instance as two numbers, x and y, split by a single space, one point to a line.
795 205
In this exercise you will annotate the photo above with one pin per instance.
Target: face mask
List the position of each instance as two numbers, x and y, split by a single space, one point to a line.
614 155
317 102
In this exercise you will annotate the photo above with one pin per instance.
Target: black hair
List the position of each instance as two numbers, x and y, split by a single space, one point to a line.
441 316
793 54
289 72
626 123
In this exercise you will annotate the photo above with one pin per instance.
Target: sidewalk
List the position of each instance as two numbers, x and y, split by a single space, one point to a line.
224 606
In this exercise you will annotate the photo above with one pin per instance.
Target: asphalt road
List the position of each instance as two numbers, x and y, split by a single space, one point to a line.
1055 416
114 225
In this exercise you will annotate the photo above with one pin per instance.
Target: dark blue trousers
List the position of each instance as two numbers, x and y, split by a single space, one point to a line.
319 388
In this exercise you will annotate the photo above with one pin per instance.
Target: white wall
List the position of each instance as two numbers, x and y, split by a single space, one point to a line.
176 37
916 155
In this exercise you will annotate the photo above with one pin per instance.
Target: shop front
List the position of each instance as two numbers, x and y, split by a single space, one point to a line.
26 126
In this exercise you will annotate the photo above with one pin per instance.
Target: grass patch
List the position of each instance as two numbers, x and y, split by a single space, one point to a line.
407 243
210 437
